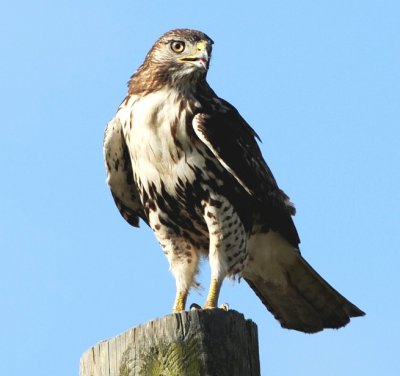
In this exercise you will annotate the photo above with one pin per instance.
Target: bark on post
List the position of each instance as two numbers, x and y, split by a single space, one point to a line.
199 342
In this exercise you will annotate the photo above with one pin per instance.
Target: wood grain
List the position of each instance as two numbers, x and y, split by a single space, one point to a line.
199 342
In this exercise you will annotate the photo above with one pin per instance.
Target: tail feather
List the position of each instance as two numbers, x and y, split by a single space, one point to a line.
291 289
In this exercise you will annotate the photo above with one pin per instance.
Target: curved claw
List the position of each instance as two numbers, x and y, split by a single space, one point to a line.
224 306
194 306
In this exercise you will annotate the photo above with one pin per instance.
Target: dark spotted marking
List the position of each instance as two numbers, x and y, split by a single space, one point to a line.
169 224
116 164
152 205
215 203
182 105
152 191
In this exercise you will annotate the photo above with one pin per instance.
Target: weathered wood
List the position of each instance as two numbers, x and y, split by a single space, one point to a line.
199 342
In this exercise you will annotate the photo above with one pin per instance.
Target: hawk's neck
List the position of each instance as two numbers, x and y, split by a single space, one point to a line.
147 81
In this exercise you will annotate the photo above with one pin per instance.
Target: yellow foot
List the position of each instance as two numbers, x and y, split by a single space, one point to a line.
180 301
213 293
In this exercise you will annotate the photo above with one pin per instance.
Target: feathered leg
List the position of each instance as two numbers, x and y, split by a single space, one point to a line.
184 267
183 260
227 248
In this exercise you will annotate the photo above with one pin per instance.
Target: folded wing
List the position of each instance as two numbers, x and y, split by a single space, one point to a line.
120 174
289 287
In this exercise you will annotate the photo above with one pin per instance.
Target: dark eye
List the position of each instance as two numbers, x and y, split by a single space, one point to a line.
177 46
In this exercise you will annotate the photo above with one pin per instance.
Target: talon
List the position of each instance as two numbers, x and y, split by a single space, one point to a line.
224 306
194 307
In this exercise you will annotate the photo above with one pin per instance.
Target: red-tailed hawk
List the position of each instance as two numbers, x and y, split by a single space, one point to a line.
186 162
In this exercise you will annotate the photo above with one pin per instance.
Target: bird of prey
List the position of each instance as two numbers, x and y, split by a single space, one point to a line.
187 163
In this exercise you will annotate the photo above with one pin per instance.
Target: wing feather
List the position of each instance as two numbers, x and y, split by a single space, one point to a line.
120 174
233 143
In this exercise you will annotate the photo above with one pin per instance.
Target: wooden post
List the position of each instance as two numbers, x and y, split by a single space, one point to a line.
195 343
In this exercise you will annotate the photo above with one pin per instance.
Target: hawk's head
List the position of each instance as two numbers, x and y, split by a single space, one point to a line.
180 57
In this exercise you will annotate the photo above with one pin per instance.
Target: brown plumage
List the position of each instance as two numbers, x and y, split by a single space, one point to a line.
187 163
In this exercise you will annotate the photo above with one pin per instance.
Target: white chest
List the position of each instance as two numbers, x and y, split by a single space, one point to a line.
152 127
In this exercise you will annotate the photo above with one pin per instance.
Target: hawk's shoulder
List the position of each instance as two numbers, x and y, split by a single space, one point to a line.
234 143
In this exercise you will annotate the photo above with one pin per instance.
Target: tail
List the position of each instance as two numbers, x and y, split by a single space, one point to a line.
291 289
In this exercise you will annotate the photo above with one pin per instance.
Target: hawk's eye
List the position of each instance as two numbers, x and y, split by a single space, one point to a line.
177 46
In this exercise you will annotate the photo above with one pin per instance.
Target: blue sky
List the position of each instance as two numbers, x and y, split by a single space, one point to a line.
320 83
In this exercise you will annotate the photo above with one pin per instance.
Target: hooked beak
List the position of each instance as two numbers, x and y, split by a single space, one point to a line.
200 59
